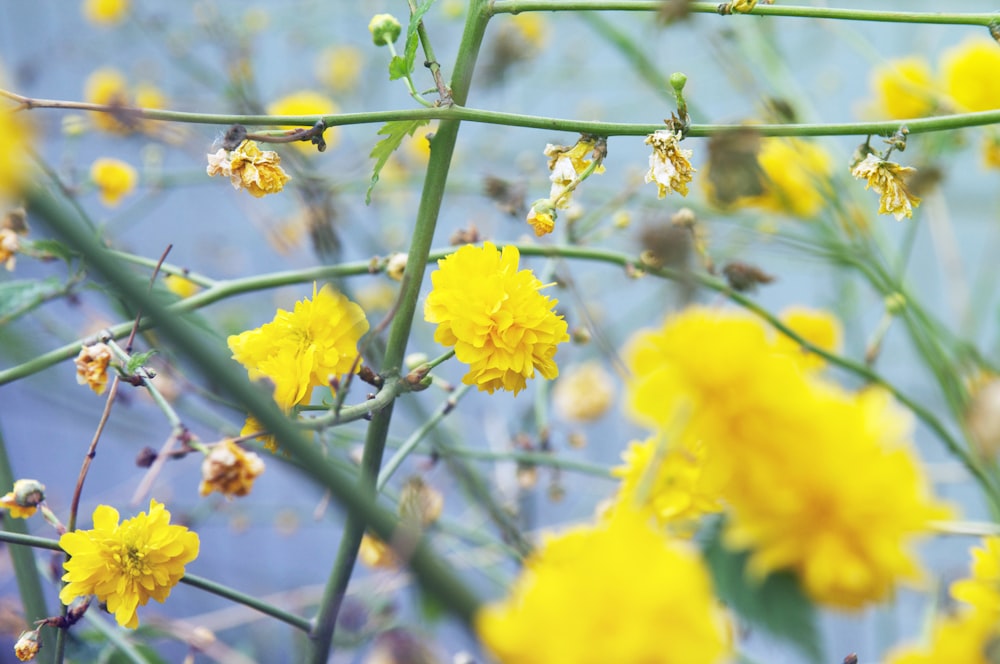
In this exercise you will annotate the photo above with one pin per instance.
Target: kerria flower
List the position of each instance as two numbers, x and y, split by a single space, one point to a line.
92 367
904 88
495 317
568 164
126 564
307 102
542 217
303 348
982 589
796 177
820 328
230 470
248 167
669 167
113 178
887 179
109 87
16 134
778 445
105 12
970 76
618 591
584 393
27 646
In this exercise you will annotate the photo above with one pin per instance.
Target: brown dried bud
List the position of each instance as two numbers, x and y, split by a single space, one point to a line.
743 277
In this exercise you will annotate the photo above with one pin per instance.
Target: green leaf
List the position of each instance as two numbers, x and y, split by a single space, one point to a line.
138 360
52 249
21 296
410 50
398 68
394 133
775 603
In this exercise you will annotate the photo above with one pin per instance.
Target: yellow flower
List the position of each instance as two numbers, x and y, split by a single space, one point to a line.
108 86
16 135
495 317
10 245
308 102
904 88
618 591
991 151
230 470
669 167
92 367
567 166
24 499
180 286
669 482
251 426
27 645
819 482
248 167
114 179
339 67
542 217
127 564
970 74
376 554
584 393
887 179
796 177
818 327
531 28
105 12
968 637
304 348
982 590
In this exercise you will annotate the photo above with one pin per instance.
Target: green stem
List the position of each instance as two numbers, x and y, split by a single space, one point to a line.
188 339
298 622
458 112
22 558
442 148
984 19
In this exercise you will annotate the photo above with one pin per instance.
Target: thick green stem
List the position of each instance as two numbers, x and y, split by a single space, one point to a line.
442 149
29 584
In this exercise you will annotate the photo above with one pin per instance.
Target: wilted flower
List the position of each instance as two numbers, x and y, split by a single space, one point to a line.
230 470
396 266
114 179
248 167
669 167
27 646
568 166
495 317
542 217
126 564
92 367
10 245
887 179
24 499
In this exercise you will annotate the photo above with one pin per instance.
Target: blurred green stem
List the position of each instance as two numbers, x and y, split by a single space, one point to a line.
442 149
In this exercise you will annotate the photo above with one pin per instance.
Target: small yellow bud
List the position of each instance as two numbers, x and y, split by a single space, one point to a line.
27 646
385 29
395 266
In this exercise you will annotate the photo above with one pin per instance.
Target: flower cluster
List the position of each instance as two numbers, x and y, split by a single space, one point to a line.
776 443
888 180
495 317
248 167
618 591
92 367
304 348
126 564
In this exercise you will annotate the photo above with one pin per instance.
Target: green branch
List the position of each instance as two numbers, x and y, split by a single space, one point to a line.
984 19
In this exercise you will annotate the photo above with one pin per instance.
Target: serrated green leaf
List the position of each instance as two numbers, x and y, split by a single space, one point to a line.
21 296
410 50
394 133
398 68
138 360
776 603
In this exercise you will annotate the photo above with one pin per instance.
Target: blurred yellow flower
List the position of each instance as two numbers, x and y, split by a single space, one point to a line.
668 481
584 393
92 367
970 76
495 317
339 67
16 135
904 88
23 500
251 426
982 589
618 591
307 102
418 146
376 554
230 470
669 167
967 637
991 150
531 28
248 167
180 286
888 179
10 245
821 328
126 564
105 12
304 348
109 87
796 177
113 178
28 645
